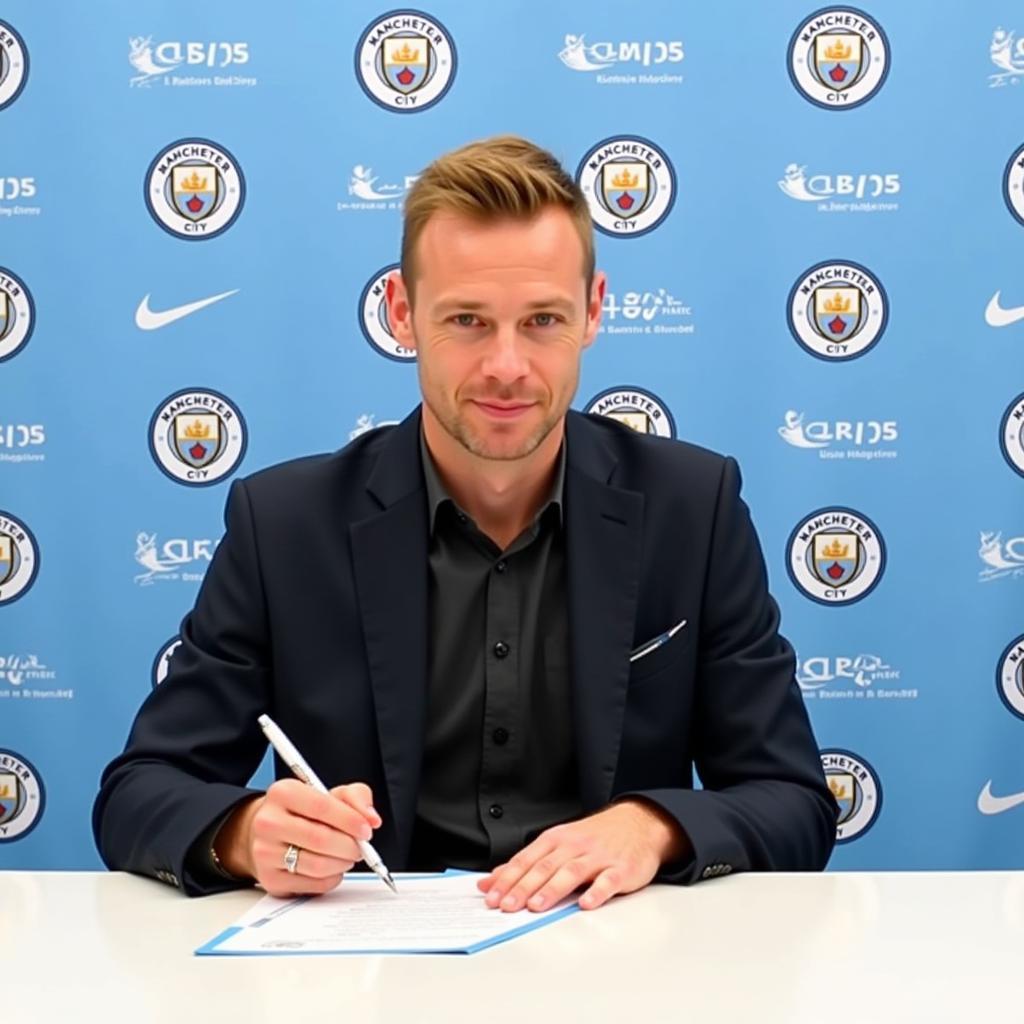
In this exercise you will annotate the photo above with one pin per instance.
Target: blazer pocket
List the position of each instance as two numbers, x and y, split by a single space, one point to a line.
659 659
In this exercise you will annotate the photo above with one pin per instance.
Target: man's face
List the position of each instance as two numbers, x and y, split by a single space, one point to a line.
500 319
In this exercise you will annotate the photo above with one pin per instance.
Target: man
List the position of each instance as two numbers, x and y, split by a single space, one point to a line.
505 632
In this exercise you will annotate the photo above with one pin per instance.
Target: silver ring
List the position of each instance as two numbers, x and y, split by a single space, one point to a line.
291 859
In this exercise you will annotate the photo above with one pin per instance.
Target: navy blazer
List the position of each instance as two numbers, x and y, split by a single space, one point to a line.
314 610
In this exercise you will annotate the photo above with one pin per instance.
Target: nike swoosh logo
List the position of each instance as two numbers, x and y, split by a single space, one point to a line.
996 316
989 804
148 320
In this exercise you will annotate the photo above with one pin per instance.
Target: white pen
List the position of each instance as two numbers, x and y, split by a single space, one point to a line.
654 644
301 770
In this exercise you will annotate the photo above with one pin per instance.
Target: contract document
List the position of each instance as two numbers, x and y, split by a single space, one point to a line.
430 914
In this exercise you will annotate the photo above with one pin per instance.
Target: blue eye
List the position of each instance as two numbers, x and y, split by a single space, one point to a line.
544 319
465 319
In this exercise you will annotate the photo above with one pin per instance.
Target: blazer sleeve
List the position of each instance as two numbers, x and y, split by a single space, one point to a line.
764 805
195 742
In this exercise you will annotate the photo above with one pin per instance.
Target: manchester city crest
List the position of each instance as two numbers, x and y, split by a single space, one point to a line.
629 183
835 556
22 796
837 310
17 314
1011 434
1013 184
405 61
194 189
373 318
162 661
856 789
1010 677
13 64
838 58
19 558
197 437
636 408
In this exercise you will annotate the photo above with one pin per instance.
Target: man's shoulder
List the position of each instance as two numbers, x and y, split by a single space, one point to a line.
648 461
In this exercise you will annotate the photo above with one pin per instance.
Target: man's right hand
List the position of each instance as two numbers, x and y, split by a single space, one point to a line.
253 841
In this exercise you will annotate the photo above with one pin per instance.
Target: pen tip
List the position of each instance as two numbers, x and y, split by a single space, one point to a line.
390 882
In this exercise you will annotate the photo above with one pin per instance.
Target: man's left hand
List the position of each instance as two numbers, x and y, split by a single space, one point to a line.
617 850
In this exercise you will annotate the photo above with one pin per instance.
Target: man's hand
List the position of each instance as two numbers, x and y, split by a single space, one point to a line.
617 850
253 841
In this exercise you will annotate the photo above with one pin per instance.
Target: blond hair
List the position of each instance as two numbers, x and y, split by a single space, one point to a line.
502 177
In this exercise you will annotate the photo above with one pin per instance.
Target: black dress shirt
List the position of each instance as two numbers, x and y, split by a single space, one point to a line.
499 762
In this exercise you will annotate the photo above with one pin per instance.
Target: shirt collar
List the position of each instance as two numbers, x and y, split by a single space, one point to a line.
437 493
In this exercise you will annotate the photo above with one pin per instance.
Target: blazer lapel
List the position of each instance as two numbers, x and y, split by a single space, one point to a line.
604 533
390 558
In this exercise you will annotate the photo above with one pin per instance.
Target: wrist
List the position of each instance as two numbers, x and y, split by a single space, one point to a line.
232 845
667 837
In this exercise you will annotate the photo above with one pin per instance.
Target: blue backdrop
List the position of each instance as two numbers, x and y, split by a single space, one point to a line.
813 226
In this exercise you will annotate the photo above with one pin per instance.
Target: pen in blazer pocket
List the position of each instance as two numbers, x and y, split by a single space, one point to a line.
652 645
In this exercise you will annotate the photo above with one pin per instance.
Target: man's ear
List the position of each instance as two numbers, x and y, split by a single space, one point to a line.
399 310
594 306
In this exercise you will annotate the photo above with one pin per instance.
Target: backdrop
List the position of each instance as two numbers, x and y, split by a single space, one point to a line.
813 226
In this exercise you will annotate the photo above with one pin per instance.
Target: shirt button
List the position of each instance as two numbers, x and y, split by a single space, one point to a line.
500 736
501 650
495 810
501 566
463 517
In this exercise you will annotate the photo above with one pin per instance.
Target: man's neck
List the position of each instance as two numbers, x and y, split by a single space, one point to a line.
503 496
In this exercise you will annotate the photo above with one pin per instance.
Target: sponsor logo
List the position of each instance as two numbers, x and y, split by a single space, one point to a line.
19 558
12 192
406 61
824 677
197 437
838 58
23 673
857 790
147 319
835 556
999 316
194 189
1010 676
157 62
578 55
636 408
365 424
1007 54
1011 435
990 804
162 661
1001 557
841 439
168 561
655 312
15 437
22 796
837 310
840 193
13 64
370 193
17 314
629 183
373 318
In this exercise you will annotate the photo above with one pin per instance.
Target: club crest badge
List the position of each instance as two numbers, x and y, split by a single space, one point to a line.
837 310
629 183
838 58
835 556
194 189
1011 435
13 64
22 796
1010 677
197 437
857 790
17 314
636 408
405 61
373 318
19 558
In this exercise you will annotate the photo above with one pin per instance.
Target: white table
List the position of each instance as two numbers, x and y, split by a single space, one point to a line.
91 947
